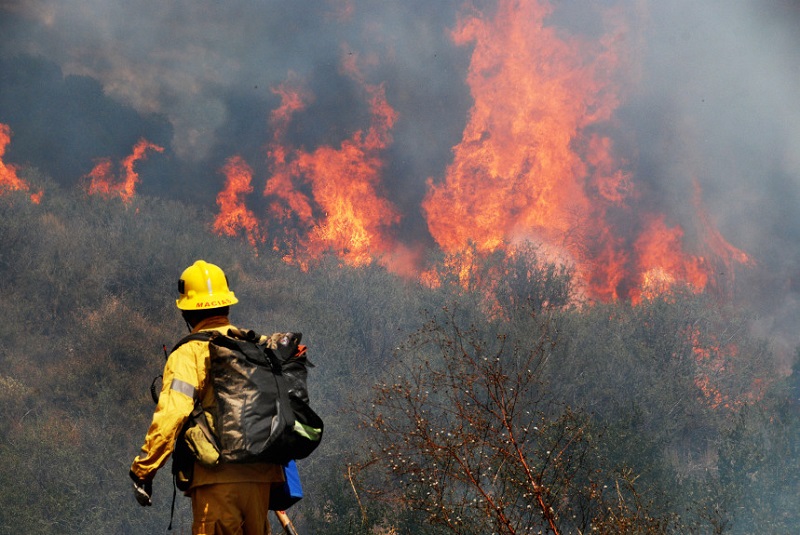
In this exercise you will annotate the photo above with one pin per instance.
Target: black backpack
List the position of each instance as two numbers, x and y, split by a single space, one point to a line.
262 411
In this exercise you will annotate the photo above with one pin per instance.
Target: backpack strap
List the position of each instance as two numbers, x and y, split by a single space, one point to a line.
203 336
197 413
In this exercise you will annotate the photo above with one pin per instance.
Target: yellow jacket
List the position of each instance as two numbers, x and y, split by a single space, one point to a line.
185 378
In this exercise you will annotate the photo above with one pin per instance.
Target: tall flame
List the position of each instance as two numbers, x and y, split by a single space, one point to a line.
517 173
343 182
536 162
8 173
104 183
533 162
234 214
339 186
289 206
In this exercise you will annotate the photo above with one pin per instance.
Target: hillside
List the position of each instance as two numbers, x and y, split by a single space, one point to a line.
673 395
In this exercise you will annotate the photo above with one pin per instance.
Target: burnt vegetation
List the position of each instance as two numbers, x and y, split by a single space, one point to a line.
497 406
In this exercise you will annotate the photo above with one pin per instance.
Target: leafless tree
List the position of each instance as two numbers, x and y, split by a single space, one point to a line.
467 430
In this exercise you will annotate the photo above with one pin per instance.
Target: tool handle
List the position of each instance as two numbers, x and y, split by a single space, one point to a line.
285 522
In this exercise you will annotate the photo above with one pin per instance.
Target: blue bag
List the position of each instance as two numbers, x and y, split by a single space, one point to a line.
287 493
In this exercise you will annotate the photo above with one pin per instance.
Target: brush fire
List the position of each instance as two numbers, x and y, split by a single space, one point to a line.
9 180
536 163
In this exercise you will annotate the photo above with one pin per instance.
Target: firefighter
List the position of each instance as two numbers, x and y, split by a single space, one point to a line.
226 498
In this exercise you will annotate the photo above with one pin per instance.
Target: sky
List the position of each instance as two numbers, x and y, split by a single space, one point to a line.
697 94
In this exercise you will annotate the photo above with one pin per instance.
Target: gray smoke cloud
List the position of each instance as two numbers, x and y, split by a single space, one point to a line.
188 59
719 104
176 58
714 99
723 79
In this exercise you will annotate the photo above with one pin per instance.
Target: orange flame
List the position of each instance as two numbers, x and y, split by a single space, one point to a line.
327 200
717 245
337 185
516 172
234 215
8 173
662 262
716 365
102 177
536 162
284 185
533 165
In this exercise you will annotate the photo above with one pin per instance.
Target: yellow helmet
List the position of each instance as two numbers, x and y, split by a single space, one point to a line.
204 286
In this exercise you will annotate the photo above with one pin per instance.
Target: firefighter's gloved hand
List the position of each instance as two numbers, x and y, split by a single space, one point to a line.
142 490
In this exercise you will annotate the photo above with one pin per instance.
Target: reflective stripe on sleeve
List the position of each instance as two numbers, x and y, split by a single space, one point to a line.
183 387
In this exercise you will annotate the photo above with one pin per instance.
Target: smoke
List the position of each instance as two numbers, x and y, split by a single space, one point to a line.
722 79
192 61
709 97
718 104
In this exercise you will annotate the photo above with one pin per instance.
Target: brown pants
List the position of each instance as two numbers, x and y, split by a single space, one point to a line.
231 509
